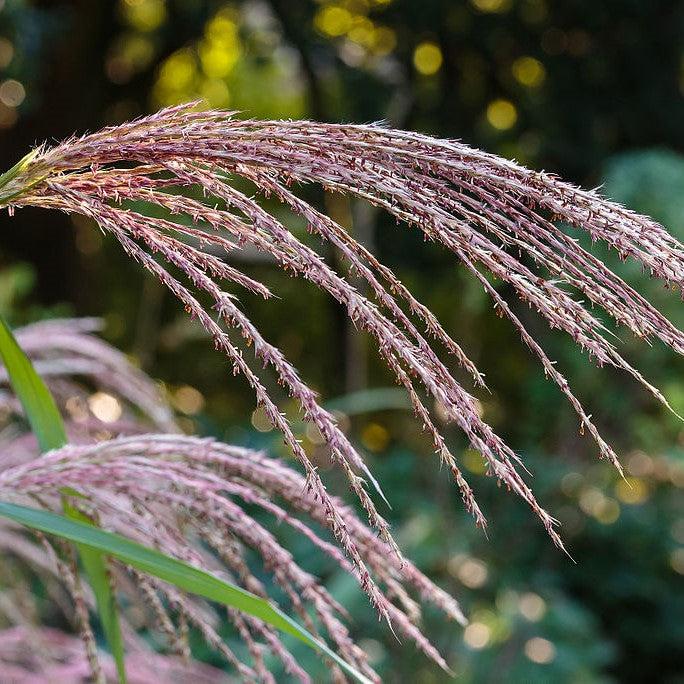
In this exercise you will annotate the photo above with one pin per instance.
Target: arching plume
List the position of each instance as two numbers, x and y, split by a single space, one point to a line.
501 221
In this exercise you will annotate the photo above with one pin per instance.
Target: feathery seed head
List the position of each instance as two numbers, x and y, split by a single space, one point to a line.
498 218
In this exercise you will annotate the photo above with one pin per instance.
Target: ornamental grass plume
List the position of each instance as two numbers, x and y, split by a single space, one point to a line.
38 655
165 187
63 350
191 498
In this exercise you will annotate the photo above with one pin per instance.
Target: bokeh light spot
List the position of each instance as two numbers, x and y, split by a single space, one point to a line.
474 462
105 407
528 71
502 114
375 437
540 651
384 40
477 635
632 490
491 6
260 420
427 58
333 21
188 400
12 93
532 606
6 52
215 92
608 512
473 573
217 59
176 78
640 464
178 70
144 15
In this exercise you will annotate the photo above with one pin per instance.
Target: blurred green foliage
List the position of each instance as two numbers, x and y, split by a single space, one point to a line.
592 91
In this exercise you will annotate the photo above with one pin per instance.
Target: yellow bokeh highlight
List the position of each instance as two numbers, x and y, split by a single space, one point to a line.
375 437
333 21
362 31
595 503
220 50
384 40
178 71
474 462
216 92
217 60
427 58
137 50
349 19
608 512
202 71
176 80
491 6
188 400
632 490
528 71
502 114
144 15
222 29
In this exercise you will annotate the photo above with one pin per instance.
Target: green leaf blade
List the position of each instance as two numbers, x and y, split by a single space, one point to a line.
47 425
39 406
95 566
171 570
94 544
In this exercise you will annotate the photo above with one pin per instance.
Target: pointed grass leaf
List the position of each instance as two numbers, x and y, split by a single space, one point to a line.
46 424
12 173
95 566
39 406
176 572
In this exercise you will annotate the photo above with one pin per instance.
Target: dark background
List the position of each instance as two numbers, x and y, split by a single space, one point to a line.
590 90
